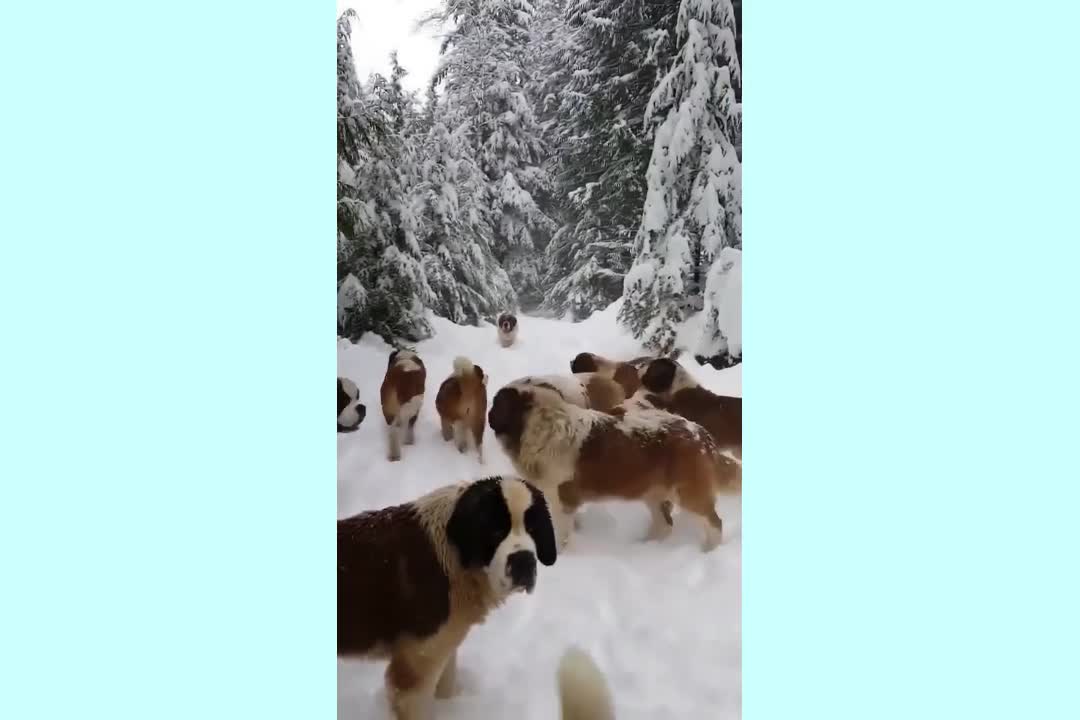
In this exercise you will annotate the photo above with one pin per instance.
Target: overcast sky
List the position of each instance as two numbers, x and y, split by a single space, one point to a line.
387 25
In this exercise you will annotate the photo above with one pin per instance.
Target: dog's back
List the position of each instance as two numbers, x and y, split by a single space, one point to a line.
390 581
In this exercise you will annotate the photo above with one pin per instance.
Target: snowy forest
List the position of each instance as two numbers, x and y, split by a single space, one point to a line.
566 154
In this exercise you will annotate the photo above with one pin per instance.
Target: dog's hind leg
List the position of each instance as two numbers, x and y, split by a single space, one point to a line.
393 435
660 507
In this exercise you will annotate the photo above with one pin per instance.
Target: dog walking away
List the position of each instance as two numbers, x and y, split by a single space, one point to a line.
462 406
350 411
577 455
402 395
508 328
415 578
583 691
670 387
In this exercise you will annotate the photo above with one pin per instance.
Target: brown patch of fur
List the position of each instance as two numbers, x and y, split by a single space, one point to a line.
462 405
719 414
604 393
624 373
403 595
392 551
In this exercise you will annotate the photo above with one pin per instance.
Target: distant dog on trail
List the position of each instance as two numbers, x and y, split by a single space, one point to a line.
415 578
576 456
508 327
462 406
402 395
350 411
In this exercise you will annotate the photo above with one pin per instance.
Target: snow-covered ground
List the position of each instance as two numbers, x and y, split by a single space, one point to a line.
662 620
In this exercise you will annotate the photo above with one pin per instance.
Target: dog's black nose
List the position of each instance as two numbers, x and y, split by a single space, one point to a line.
521 566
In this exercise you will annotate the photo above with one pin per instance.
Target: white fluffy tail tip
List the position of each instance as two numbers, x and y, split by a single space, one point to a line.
462 365
583 691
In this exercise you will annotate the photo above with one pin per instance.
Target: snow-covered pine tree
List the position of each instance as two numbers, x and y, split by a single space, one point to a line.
467 282
601 78
381 283
693 204
485 79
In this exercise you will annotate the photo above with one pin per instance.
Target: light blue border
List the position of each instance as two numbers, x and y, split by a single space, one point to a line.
910 188
166 518
166 254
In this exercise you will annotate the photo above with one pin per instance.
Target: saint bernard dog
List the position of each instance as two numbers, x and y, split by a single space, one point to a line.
350 411
415 578
626 374
668 386
508 326
576 455
586 390
402 395
462 406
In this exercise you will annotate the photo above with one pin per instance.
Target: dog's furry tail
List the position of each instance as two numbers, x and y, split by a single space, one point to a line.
462 366
728 472
583 690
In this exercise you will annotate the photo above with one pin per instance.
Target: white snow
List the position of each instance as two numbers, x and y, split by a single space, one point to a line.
662 620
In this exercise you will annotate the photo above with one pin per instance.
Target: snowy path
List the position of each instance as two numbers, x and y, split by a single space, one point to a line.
661 620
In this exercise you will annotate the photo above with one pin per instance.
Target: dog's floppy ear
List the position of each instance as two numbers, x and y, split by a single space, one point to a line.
479 522
343 398
660 375
584 362
390 362
507 414
480 374
538 525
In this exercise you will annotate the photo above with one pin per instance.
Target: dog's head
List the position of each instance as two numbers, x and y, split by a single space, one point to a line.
584 362
507 415
665 376
507 322
502 525
350 411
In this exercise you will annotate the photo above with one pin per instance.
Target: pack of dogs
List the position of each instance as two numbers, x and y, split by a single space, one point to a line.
413 579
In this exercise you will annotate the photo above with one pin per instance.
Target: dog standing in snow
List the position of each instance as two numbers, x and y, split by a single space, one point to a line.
462 406
415 578
402 395
507 329
577 455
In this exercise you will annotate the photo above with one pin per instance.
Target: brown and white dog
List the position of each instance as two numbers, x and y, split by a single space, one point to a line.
462 406
507 329
415 578
668 386
577 455
626 374
586 390
350 411
402 395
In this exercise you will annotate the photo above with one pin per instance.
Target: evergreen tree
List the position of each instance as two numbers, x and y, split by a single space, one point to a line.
467 282
485 86
693 204
381 283
602 74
